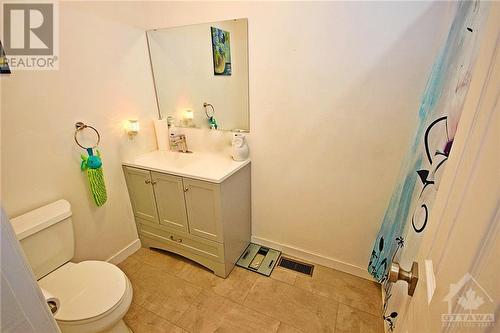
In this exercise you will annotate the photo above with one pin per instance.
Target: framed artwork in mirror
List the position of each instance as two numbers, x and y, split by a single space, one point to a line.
221 49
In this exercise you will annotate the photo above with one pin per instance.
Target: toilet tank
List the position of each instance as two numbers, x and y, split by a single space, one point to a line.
46 235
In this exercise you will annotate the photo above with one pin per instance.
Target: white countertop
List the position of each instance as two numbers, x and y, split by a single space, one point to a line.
205 166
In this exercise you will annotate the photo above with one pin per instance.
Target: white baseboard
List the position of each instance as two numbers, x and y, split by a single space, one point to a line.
286 249
125 252
314 258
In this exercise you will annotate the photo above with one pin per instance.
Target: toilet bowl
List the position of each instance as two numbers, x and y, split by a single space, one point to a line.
93 295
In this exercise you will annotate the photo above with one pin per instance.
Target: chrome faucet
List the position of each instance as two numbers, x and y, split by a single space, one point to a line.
180 143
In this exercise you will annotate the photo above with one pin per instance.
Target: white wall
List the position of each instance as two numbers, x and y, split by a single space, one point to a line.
104 78
184 74
334 90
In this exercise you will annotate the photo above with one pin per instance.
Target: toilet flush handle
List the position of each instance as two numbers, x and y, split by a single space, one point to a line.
52 307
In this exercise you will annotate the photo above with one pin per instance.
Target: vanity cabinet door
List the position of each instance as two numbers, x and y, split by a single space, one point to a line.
203 209
141 193
169 193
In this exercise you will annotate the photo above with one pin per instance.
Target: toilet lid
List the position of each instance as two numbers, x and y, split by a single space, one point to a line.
85 290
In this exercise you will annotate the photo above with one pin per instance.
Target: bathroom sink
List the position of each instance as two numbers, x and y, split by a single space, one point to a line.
172 159
198 165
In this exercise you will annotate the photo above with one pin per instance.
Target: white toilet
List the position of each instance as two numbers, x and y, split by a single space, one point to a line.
94 295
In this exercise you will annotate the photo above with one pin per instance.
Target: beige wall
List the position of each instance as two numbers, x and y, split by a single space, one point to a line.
334 90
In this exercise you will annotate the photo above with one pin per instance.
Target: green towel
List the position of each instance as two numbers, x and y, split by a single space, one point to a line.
93 165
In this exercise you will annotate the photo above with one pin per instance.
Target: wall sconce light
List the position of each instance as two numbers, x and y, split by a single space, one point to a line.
132 127
188 117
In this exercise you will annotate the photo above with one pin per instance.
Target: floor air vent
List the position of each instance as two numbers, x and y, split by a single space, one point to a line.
295 265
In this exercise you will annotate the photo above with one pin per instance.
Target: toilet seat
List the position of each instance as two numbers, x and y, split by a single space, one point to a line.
86 290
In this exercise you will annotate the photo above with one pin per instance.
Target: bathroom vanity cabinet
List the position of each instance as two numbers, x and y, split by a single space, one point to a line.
208 222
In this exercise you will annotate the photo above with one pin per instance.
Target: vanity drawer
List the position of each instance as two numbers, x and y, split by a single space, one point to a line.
183 241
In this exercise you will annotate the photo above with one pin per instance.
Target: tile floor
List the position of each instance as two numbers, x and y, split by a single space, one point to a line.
173 294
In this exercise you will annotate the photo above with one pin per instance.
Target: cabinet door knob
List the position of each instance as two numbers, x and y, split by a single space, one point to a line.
186 189
153 182
147 181
176 240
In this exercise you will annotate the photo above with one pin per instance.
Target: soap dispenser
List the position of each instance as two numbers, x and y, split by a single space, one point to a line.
240 148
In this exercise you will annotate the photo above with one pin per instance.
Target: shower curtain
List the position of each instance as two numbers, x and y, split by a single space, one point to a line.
409 209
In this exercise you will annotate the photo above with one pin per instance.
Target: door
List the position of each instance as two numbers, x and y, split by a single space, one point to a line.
458 288
169 193
141 194
461 259
203 209
24 308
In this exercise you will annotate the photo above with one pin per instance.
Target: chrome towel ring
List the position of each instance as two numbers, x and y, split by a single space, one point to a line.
206 106
80 127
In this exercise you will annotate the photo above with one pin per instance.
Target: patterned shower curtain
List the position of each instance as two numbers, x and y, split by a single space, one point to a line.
409 209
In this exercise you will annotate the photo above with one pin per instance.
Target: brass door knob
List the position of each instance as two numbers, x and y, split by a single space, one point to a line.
411 277
186 189
147 181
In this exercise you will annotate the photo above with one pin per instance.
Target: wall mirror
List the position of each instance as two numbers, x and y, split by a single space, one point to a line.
202 64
